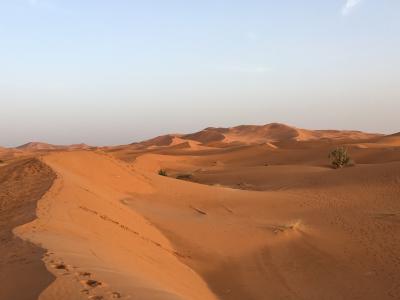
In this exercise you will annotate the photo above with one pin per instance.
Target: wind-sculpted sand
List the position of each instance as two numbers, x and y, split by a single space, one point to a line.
99 247
247 220
314 233
22 273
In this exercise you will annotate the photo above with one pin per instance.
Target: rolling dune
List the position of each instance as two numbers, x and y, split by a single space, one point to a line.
92 236
250 219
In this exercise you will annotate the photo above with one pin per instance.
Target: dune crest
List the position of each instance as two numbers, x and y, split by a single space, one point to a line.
39 146
98 245
256 134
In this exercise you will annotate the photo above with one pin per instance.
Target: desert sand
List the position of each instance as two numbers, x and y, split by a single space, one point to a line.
248 212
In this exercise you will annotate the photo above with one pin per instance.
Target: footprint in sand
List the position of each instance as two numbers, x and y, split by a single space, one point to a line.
85 291
96 297
61 267
93 283
115 295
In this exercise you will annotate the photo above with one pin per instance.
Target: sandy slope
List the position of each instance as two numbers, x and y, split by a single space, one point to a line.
22 273
261 219
93 236
9 154
314 233
388 141
310 233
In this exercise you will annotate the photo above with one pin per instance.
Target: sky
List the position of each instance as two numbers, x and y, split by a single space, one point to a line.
112 72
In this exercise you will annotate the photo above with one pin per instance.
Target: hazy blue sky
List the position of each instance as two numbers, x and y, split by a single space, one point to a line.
116 71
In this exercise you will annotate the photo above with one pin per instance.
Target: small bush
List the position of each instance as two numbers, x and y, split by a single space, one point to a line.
162 172
339 157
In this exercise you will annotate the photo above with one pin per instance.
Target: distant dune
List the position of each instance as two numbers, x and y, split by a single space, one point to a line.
223 137
392 139
163 140
10 153
257 134
39 146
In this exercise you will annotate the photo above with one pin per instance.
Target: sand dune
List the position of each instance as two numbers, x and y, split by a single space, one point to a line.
248 134
38 146
83 223
163 140
272 135
387 141
9 154
288 242
22 273
250 212
274 132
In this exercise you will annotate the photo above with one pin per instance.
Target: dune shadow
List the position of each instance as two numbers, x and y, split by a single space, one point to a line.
22 272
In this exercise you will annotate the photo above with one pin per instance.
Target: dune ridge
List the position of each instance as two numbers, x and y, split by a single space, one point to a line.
22 184
87 230
274 132
39 146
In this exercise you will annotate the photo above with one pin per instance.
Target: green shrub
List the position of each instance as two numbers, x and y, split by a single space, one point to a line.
162 172
339 157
